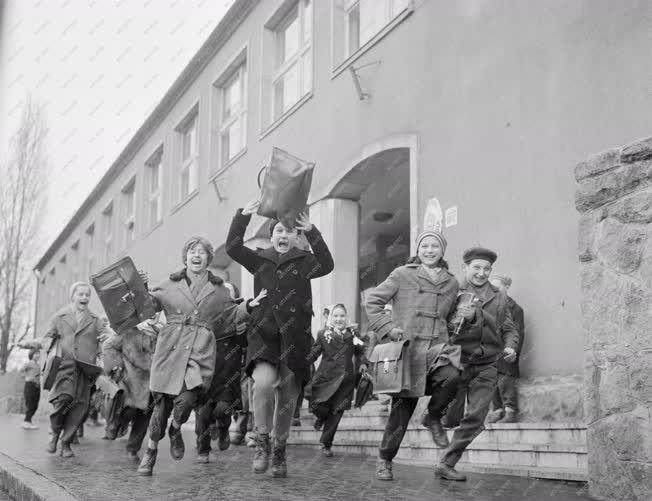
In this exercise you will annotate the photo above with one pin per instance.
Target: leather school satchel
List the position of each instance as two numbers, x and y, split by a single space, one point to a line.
50 364
123 295
285 187
390 367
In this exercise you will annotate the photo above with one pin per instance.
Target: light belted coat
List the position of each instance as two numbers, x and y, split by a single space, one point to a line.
78 342
421 306
185 348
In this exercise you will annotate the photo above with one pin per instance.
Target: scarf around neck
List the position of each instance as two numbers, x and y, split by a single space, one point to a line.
197 282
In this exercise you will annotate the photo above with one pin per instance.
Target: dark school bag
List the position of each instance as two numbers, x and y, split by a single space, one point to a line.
285 187
123 295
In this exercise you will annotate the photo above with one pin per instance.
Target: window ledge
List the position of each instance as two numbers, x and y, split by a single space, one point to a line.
374 40
285 115
154 227
228 165
183 202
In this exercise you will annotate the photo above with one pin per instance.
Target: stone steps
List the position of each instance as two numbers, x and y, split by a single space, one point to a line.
542 450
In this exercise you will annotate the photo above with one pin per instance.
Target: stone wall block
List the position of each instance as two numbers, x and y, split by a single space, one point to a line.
597 164
597 191
635 208
637 151
621 246
587 235
601 303
640 377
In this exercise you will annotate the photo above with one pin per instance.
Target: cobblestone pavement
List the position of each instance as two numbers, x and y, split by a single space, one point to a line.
99 471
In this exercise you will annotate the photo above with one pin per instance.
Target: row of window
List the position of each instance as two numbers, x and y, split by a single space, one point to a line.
287 66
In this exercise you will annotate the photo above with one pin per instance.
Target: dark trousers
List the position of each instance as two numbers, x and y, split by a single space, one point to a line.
443 384
67 415
32 393
207 414
139 420
479 382
506 394
455 409
331 419
179 406
297 409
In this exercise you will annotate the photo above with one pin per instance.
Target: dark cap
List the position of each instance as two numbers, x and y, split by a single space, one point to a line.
479 253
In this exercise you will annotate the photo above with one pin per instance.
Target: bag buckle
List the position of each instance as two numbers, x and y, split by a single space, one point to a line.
386 365
127 296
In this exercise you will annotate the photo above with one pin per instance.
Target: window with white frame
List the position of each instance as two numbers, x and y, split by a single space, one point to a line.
108 233
292 74
357 22
90 250
233 115
188 169
154 183
129 212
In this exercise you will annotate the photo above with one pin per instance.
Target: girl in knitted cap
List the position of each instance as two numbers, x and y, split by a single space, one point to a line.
423 294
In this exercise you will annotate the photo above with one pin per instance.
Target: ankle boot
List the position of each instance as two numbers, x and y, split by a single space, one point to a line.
279 463
223 438
442 470
510 416
261 458
66 451
52 444
147 463
495 416
384 470
177 447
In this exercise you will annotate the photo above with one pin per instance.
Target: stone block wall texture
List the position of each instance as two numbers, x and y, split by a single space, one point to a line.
614 198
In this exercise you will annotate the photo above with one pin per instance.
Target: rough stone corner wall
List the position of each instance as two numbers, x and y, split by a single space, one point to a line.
614 198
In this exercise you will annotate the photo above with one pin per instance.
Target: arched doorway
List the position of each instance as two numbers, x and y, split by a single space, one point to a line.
371 206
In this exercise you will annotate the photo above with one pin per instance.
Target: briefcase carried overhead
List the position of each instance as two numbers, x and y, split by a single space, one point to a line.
285 188
390 367
50 364
123 295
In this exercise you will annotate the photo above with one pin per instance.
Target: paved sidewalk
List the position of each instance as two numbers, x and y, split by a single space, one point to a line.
99 471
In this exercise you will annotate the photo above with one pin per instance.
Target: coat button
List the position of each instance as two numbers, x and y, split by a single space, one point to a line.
295 272
178 311
293 309
195 312
279 273
174 347
276 307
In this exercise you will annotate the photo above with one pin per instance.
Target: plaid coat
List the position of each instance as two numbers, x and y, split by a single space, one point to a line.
421 306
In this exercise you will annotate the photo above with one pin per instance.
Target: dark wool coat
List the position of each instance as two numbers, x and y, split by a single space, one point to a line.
334 379
491 330
185 348
77 342
131 351
518 318
281 325
421 306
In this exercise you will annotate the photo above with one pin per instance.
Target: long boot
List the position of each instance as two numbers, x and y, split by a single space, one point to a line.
263 449
279 463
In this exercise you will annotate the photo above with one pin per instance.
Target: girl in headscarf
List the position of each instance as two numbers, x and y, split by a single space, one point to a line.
423 295
334 380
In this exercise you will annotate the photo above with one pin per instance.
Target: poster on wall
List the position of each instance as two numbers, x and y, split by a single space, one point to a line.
432 219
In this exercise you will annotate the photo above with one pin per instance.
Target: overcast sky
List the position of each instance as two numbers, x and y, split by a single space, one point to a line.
99 68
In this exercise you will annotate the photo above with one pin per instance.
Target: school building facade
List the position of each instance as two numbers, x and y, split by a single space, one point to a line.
485 106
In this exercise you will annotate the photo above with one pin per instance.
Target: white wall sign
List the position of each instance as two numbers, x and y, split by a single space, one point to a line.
451 216
432 219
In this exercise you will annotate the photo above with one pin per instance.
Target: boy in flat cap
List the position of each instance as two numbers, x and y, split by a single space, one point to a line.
505 401
490 335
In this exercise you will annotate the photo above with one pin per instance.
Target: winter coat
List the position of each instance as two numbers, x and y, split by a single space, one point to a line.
421 306
492 329
77 342
185 347
281 325
517 316
132 352
334 379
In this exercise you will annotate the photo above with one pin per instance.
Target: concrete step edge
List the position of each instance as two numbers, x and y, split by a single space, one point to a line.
21 482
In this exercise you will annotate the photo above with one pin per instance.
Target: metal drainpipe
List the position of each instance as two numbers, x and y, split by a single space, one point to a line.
37 275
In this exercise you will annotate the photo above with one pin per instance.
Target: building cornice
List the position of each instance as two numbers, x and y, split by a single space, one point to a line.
236 14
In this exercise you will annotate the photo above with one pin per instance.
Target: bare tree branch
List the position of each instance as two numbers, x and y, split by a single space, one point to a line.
22 195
